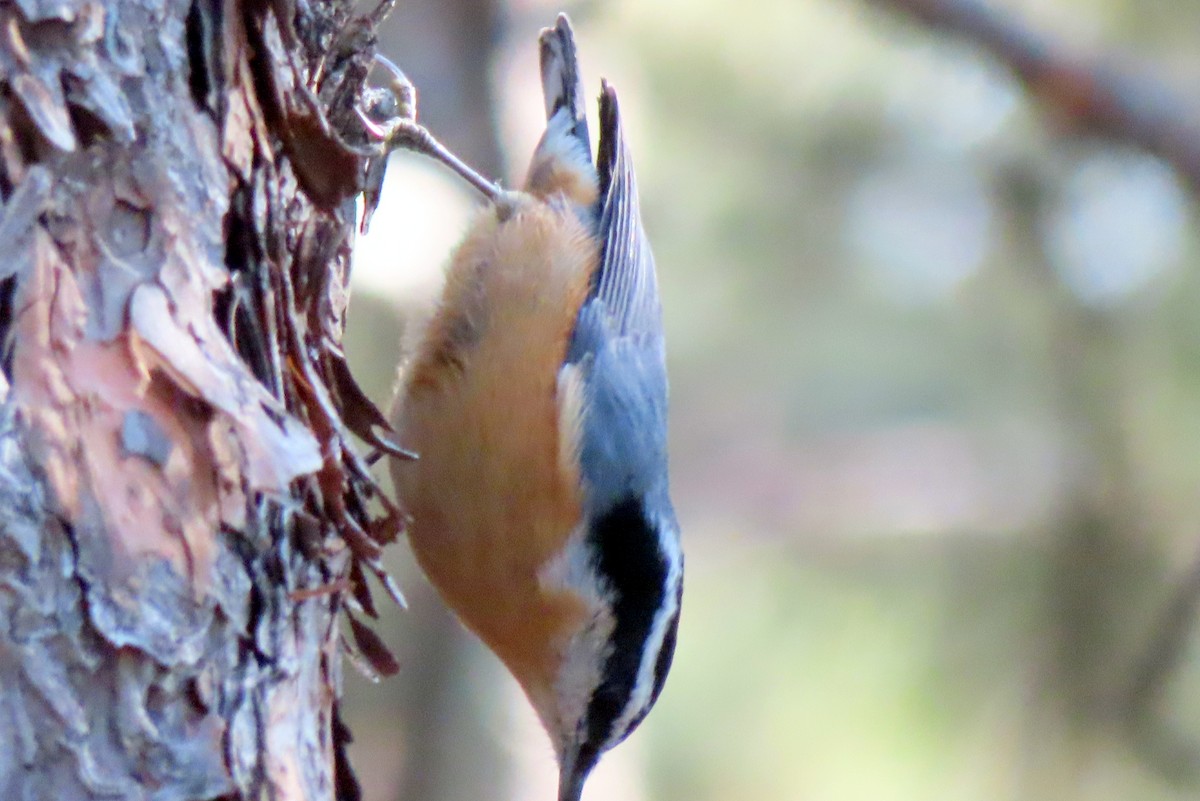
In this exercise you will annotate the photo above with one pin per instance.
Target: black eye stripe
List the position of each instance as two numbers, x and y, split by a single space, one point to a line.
626 547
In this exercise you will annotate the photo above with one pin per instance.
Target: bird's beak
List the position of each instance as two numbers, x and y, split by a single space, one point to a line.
570 786
571 777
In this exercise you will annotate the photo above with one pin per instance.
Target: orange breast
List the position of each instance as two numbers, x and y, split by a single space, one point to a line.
490 497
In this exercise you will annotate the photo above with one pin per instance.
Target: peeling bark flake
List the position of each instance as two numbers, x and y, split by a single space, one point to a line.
183 510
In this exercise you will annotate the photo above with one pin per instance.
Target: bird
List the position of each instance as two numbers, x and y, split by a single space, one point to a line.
536 400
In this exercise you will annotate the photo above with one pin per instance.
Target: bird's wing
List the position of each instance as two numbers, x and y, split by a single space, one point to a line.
616 348
625 281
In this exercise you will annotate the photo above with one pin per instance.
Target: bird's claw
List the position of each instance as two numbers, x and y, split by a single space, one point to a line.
401 130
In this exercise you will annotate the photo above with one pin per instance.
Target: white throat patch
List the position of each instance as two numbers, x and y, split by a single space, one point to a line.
587 650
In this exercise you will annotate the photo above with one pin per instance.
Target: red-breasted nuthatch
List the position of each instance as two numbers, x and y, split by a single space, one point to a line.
537 402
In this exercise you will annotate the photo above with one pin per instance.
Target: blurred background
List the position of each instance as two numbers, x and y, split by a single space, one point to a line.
935 362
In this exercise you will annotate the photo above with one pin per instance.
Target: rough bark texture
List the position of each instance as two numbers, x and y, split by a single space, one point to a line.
182 518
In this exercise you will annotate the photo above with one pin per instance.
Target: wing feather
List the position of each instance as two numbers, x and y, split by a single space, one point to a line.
625 281
618 343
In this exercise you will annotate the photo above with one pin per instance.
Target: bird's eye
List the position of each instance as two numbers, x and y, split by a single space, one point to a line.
634 569
606 706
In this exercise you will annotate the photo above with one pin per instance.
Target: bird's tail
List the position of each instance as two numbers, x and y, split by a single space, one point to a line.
562 85
562 163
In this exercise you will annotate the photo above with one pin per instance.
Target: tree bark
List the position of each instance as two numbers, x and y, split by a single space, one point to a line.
184 521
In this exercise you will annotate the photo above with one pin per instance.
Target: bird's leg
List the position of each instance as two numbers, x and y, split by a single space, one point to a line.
403 130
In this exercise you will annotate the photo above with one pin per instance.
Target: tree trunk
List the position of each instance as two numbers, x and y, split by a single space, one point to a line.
183 520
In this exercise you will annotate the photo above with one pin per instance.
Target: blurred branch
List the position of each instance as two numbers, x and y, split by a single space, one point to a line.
1168 645
1080 95
1177 757
1100 576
